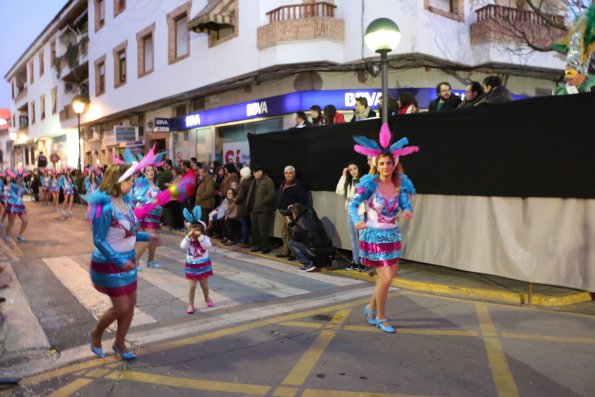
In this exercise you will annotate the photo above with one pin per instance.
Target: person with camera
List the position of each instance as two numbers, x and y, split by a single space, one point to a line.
309 242
291 191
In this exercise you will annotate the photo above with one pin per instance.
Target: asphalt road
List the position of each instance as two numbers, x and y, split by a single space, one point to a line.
273 332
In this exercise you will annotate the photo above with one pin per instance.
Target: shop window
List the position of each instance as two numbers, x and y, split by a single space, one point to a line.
120 64
54 100
99 14
453 9
100 76
178 36
41 66
32 113
145 50
119 6
42 107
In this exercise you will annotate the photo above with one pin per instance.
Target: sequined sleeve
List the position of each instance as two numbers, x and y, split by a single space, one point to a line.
362 193
407 190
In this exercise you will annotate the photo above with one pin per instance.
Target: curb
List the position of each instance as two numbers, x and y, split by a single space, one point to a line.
509 297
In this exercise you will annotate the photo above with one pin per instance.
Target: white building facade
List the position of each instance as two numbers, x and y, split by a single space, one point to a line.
194 77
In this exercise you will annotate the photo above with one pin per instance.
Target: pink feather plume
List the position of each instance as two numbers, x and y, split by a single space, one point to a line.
385 135
164 197
148 160
405 151
366 151
118 160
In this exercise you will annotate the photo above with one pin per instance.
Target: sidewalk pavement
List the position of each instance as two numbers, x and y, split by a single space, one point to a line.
456 283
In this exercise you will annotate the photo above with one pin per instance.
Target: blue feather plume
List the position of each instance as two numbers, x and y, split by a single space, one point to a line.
187 215
398 144
128 156
197 211
366 142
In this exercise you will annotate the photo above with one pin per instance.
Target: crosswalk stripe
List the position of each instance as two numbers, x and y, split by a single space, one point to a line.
334 280
242 277
77 281
177 286
24 331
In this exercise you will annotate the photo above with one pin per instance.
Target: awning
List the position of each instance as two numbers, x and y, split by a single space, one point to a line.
218 14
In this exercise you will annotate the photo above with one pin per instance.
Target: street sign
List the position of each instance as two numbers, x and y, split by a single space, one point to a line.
54 157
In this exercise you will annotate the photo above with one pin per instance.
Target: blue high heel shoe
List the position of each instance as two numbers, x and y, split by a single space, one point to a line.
386 328
98 351
370 316
125 356
153 265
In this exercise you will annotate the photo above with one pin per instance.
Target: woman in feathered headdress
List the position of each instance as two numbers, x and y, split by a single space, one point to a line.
14 200
198 262
44 180
385 193
144 192
113 265
54 189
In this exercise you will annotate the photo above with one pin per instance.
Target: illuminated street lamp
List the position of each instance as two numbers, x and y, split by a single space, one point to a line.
383 36
78 104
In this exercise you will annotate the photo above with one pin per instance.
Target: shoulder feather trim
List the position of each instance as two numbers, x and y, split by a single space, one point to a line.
367 183
407 185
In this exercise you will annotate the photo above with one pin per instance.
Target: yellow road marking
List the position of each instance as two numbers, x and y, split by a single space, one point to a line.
302 369
283 391
340 393
503 378
62 371
195 384
98 372
548 338
302 324
71 388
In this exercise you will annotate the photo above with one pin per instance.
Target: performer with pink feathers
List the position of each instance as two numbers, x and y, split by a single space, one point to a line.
385 193
15 188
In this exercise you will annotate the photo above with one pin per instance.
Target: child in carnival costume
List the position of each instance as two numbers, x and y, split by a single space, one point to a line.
385 193
144 192
578 48
198 262
14 201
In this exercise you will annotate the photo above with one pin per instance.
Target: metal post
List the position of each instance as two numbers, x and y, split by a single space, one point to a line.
78 119
384 76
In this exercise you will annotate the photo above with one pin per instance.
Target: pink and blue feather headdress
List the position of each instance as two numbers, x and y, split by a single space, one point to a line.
369 147
20 171
150 159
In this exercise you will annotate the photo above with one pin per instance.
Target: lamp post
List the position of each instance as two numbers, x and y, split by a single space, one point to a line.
78 104
383 36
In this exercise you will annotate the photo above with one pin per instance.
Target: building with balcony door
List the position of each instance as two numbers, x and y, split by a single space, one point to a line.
43 81
194 77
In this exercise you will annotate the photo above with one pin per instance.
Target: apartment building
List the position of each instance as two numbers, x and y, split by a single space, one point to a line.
194 77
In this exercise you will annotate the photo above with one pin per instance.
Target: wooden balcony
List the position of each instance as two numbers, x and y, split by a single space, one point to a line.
513 25
295 22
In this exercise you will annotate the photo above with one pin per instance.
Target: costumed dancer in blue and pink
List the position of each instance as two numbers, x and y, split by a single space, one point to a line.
198 262
4 194
14 201
54 189
113 266
45 181
145 191
385 193
67 185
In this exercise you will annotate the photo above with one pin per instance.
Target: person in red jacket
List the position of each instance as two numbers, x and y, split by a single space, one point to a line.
331 116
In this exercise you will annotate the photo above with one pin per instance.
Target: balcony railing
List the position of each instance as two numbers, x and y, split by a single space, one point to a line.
300 11
506 24
299 22
493 11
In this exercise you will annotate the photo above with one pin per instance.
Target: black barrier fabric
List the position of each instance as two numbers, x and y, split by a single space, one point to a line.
539 147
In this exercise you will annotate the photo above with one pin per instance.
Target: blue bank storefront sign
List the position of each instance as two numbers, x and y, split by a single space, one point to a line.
295 102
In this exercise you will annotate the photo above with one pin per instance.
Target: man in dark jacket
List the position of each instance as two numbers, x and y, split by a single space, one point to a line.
260 202
495 92
446 99
473 95
291 191
309 243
